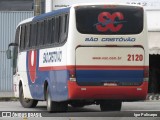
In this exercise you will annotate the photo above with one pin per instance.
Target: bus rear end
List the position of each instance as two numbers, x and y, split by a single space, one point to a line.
110 63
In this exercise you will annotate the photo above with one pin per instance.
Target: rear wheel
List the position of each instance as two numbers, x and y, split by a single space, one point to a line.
53 106
110 105
26 103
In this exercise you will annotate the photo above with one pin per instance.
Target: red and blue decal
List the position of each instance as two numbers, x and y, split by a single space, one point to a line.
32 59
100 74
37 77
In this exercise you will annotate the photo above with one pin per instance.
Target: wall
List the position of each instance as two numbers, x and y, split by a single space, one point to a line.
57 4
8 22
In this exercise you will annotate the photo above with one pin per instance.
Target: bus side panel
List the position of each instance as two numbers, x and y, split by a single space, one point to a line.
34 82
41 67
22 75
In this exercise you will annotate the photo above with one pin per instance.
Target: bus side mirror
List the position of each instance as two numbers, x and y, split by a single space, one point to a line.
8 52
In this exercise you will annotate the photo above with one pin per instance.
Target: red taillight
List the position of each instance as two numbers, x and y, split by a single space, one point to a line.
146 73
72 74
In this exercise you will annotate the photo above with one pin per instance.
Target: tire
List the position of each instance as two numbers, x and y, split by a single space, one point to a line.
110 105
53 106
26 103
49 102
77 104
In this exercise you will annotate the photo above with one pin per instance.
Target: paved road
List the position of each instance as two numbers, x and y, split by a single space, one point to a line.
129 109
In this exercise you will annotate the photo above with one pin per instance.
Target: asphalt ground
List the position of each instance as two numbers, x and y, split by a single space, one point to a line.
129 111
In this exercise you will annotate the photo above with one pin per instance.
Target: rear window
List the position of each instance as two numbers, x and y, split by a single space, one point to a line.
109 19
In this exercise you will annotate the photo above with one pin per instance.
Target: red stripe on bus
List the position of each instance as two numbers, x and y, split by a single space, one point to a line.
110 67
91 67
69 67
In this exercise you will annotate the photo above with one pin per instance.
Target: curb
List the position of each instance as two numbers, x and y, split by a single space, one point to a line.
2 99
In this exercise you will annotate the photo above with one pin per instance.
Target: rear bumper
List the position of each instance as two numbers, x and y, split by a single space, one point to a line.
107 92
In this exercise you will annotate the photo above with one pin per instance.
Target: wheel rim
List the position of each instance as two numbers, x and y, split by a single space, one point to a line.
48 102
24 99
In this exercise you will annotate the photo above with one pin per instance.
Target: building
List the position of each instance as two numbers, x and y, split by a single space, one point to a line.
16 5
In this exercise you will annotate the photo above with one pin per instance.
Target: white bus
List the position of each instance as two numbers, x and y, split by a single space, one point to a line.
152 8
81 55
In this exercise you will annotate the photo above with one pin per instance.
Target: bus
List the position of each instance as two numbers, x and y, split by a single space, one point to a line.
82 55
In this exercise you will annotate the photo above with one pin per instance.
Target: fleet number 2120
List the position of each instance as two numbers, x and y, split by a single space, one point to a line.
135 57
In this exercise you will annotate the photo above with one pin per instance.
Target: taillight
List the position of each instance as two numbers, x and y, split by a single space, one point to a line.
72 75
146 73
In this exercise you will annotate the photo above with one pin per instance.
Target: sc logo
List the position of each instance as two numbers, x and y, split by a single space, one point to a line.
106 21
